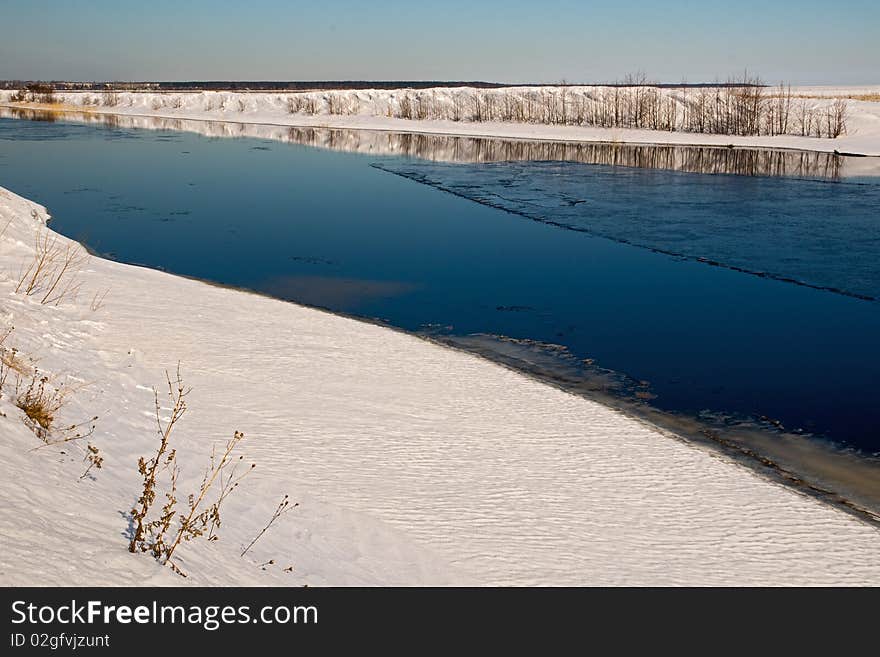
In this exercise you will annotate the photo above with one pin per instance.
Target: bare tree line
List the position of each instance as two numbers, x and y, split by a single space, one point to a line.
742 106
35 93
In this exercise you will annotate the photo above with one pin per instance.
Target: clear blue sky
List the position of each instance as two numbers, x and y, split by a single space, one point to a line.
824 41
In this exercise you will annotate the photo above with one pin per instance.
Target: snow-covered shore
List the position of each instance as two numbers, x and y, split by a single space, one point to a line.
379 109
412 463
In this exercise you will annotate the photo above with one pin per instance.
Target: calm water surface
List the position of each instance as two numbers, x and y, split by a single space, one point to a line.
732 294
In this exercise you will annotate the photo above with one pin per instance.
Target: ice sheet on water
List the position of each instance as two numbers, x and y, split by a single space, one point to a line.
816 233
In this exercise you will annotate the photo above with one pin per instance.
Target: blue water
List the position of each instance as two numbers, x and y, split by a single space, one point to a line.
809 232
329 229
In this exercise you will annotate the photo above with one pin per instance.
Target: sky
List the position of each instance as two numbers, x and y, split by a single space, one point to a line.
801 42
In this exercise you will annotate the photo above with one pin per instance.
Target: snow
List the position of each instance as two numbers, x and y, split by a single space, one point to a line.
375 109
412 463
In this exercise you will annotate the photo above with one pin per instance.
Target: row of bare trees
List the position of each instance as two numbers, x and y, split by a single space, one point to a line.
37 92
743 106
750 108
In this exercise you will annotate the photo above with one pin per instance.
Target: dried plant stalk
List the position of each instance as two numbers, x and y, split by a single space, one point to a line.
162 536
282 508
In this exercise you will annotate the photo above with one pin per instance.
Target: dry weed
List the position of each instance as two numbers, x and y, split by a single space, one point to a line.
162 534
282 508
53 270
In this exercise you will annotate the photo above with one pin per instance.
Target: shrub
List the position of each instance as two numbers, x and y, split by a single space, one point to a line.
94 459
110 98
41 93
161 533
40 401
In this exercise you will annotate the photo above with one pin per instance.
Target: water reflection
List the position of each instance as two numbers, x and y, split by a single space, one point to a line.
451 148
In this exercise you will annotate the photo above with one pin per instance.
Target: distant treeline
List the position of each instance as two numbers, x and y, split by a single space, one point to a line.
259 85
322 85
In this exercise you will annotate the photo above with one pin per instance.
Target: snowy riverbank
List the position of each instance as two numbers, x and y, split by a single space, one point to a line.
412 463
380 109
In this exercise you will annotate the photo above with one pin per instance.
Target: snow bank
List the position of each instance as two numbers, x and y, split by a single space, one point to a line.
412 463
452 111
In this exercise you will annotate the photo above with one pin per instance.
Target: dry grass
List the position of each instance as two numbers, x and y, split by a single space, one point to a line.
52 273
40 401
39 398
9 360
98 300
161 533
